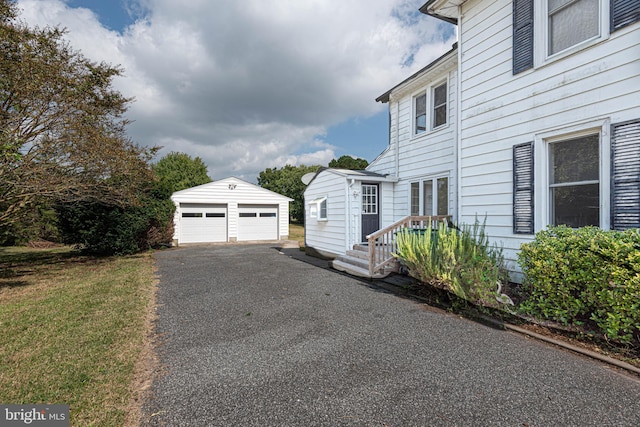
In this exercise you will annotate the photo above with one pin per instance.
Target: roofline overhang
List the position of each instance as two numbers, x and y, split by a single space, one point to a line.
437 9
384 98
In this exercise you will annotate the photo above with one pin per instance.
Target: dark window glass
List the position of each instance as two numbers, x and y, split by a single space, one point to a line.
440 105
267 214
421 113
248 214
215 215
574 187
191 214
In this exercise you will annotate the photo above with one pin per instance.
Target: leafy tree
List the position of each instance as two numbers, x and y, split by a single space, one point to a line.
288 182
179 171
62 131
349 162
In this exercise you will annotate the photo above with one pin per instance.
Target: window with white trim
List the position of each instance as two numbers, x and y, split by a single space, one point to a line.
427 119
439 105
571 22
574 181
423 201
547 30
586 176
318 208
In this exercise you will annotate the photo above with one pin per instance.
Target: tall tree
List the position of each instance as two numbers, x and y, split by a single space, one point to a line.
179 171
349 162
62 130
288 182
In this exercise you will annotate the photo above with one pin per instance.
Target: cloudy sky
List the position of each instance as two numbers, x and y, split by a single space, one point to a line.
252 84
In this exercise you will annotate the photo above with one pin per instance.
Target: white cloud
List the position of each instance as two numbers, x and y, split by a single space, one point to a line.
252 84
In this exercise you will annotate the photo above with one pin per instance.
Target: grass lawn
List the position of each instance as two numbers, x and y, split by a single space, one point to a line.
296 232
73 329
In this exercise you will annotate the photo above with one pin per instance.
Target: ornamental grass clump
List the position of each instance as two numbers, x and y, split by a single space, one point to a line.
458 260
585 275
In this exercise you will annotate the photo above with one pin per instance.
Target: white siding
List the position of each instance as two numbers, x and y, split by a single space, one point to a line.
600 83
328 235
428 155
231 192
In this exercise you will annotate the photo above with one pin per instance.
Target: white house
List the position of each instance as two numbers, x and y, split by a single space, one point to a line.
542 124
229 210
415 175
549 114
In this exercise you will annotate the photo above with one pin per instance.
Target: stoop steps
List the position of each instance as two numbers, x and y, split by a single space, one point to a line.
356 263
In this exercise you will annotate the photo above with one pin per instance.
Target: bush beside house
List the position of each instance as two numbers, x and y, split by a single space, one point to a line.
577 276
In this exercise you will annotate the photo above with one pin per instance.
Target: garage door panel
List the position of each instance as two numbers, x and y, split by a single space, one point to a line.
203 223
257 222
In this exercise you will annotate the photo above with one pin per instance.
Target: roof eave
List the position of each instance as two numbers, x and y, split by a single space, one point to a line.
438 9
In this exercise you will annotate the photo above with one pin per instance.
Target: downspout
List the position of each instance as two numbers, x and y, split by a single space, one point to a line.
459 120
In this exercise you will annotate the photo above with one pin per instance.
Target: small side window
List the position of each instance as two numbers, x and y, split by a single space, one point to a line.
322 209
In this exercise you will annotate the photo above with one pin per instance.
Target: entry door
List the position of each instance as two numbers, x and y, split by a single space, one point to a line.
370 210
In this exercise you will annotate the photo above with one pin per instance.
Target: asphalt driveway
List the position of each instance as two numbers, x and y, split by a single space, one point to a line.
252 337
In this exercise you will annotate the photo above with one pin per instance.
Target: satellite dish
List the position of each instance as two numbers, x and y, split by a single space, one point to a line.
307 177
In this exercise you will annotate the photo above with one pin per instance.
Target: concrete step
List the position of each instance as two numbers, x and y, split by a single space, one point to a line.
358 262
355 270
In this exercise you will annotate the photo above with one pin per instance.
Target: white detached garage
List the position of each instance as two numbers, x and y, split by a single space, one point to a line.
229 210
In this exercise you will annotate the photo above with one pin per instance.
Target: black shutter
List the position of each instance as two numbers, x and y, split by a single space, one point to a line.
623 13
625 175
523 211
522 35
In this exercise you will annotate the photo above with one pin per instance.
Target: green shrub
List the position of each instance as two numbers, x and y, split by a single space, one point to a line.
460 261
577 275
100 229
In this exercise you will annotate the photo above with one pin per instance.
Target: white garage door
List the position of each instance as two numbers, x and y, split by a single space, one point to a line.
203 223
257 222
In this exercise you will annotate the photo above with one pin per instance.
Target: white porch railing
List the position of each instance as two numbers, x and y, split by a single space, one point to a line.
382 243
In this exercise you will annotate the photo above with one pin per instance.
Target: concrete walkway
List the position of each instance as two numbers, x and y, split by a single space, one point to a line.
252 337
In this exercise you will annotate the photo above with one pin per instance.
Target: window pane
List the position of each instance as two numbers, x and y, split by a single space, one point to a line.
191 215
248 215
572 23
443 196
428 197
415 198
440 116
421 113
215 215
267 214
323 210
576 206
575 160
440 95
440 105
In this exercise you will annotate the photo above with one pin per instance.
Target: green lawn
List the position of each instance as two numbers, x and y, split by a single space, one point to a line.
296 232
72 330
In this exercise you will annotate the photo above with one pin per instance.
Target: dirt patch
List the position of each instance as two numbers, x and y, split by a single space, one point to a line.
147 367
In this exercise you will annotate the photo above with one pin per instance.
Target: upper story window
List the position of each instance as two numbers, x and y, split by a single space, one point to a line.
440 105
436 98
571 22
420 102
545 31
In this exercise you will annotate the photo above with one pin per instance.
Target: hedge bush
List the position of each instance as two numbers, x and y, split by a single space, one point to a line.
458 260
578 275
